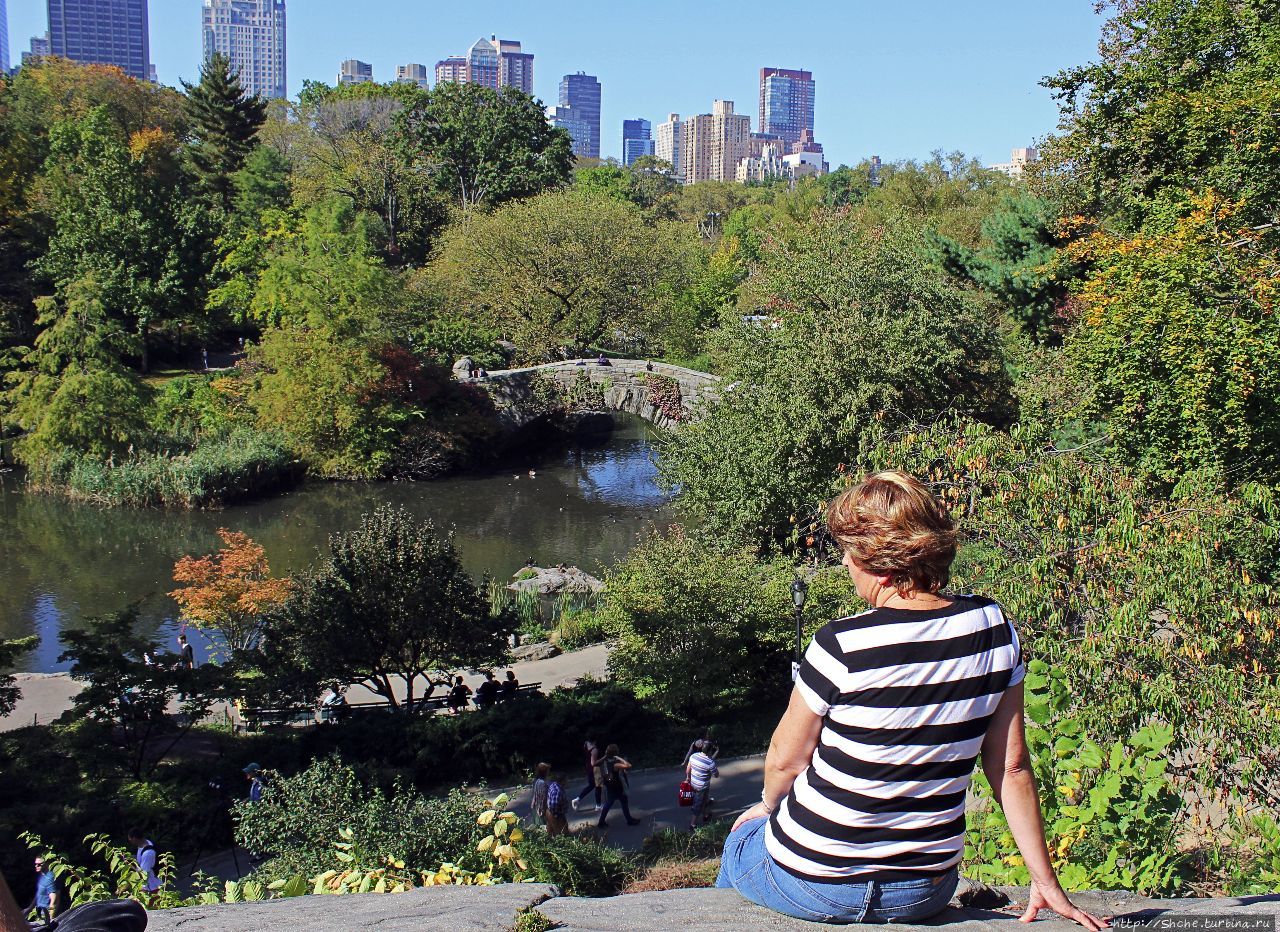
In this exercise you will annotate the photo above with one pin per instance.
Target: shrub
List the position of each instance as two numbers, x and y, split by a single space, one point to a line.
299 817
579 629
706 842
579 865
1110 814
212 474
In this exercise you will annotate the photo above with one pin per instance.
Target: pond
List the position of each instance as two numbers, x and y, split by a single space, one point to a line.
62 562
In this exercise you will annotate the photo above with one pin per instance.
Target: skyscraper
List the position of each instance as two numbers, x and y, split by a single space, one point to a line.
581 93
4 38
786 103
713 144
666 144
492 62
569 120
102 32
413 74
251 33
354 71
636 140
482 64
40 48
515 67
451 70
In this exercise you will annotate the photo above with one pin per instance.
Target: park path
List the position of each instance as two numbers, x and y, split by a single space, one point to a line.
652 795
45 696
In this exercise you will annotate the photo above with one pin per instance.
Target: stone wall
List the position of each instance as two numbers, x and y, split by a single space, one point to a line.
624 385
489 909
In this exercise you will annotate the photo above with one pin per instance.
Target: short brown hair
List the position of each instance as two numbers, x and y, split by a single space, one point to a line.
891 525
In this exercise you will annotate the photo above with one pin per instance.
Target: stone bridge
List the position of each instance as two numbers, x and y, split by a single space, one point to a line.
662 394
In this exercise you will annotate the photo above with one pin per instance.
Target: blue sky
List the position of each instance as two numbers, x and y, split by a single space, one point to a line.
895 79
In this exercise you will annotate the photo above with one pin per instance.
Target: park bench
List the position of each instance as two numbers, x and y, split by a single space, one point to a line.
252 719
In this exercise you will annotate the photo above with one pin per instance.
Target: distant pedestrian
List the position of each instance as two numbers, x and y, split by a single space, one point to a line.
45 903
253 773
648 365
615 785
556 815
595 778
510 686
487 694
459 695
699 770
538 796
145 857
186 652
603 360
204 358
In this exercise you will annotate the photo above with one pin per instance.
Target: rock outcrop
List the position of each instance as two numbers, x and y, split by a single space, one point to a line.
461 909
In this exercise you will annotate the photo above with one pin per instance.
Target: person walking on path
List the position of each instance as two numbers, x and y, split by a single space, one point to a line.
45 903
186 652
253 773
615 785
538 797
595 779
898 698
556 815
698 770
145 857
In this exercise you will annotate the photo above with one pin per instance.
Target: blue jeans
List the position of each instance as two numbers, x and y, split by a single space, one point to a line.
748 868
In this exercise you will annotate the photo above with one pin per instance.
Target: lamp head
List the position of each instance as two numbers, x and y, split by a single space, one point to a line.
799 590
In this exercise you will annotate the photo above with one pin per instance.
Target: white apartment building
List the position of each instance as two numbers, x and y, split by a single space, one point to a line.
1019 159
666 142
251 33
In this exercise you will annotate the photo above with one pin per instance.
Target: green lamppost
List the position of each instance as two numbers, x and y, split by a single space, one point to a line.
799 590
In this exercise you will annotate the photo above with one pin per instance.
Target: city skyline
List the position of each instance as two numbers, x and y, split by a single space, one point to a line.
895 81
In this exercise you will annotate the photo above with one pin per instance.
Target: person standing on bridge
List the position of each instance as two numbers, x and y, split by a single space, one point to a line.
862 815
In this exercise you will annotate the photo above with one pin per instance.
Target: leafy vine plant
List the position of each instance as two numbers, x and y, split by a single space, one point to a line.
363 872
664 394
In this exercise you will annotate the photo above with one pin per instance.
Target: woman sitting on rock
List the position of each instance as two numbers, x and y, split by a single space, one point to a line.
862 816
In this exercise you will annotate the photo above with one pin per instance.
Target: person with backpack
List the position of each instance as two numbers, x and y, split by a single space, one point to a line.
615 770
145 857
595 777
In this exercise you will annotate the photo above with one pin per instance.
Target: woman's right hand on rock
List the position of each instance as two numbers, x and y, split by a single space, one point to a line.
1056 899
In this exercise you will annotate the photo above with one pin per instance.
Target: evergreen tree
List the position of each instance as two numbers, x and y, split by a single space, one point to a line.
224 125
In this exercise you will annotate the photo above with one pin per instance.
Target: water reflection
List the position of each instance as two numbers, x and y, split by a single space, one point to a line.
61 562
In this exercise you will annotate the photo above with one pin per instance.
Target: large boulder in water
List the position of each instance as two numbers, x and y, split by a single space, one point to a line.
554 580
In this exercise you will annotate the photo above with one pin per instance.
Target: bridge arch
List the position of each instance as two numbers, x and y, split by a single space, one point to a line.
661 394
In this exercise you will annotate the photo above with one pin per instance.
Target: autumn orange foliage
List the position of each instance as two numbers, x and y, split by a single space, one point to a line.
229 591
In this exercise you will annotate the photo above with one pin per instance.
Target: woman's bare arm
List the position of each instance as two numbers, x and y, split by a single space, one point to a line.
1007 765
790 752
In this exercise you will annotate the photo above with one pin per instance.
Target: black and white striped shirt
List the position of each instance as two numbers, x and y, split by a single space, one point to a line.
906 697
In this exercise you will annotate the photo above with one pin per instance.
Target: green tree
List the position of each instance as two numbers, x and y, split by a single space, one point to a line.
72 392
482 146
1020 264
564 268
1183 96
390 604
357 149
224 123
10 651
867 332
262 184
129 685
674 596
1178 335
121 215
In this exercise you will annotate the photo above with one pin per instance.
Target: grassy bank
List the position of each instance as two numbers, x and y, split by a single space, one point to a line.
213 474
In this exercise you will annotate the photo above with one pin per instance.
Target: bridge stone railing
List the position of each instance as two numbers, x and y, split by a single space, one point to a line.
625 385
